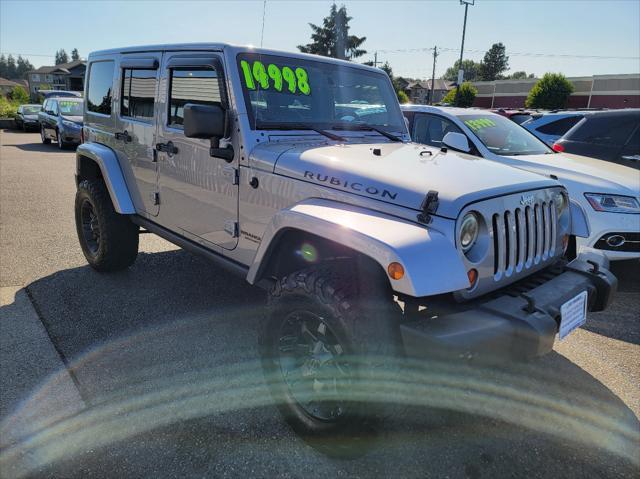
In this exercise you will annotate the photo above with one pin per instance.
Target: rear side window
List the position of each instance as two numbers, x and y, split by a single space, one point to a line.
559 127
605 130
99 91
191 85
520 118
138 93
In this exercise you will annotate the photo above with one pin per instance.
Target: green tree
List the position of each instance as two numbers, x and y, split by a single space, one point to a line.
22 67
3 66
19 95
402 96
467 94
75 55
494 63
550 92
520 75
471 71
327 39
12 68
61 57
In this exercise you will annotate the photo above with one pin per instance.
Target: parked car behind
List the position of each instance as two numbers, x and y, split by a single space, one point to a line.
26 117
606 135
518 116
609 193
61 121
550 126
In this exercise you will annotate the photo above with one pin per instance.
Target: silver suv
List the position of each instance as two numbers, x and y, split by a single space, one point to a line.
297 173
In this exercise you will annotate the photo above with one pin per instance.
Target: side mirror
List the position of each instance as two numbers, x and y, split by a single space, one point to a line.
456 141
203 121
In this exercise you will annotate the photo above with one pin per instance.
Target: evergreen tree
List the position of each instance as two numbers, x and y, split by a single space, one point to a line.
494 63
23 66
75 55
332 39
3 66
61 57
11 67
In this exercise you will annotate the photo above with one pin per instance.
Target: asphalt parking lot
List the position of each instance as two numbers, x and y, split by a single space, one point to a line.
154 372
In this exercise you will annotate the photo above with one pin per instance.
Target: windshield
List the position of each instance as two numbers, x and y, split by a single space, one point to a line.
31 110
286 92
502 136
70 108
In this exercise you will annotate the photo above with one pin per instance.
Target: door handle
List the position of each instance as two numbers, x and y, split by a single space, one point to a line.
168 148
123 136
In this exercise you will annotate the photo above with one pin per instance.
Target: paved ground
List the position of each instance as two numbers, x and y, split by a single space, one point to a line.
153 372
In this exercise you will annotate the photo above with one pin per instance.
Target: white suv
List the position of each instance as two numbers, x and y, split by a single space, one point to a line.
608 193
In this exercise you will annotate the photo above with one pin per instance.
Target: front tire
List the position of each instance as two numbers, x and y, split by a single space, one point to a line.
60 141
43 136
327 351
108 239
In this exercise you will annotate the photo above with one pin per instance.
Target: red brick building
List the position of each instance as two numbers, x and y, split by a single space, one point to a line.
598 91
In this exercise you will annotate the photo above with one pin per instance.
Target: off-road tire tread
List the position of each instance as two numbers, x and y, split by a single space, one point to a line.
119 236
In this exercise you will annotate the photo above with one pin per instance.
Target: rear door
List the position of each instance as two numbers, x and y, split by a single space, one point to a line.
198 192
135 126
630 154
51 118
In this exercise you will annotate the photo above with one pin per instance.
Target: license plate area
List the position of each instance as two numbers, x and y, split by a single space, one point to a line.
573 314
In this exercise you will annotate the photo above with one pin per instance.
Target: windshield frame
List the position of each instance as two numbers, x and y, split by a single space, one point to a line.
393 107
461 117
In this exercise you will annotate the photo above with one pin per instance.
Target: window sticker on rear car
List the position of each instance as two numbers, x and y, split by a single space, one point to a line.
285 79
479 123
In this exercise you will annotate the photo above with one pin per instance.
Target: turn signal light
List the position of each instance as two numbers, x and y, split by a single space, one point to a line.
558 147
395 270
472 274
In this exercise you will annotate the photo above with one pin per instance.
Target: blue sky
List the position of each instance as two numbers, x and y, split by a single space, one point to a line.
606 28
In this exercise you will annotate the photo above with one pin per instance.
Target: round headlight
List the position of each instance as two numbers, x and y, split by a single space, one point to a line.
560 201
468 231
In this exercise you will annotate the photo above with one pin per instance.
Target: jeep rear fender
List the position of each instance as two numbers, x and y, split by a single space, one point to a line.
430 261
107 161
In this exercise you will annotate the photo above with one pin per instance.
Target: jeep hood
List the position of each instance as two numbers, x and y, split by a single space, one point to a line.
400 174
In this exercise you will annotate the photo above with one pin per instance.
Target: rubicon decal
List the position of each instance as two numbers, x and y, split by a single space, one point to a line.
352 185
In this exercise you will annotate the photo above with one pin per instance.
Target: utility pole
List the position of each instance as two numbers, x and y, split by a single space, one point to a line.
466 4
433 73
375 59
340 34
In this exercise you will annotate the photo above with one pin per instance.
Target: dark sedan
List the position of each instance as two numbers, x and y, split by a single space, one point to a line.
26 117
606 135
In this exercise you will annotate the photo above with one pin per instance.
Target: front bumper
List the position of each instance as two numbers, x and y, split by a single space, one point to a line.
71 135
519 322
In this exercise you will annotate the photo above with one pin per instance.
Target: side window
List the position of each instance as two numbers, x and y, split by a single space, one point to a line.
559 127
605 130
191 85
138 93
430 130
99 91
45 106
54 107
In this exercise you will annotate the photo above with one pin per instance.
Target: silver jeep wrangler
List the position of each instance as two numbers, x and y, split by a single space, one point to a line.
297 172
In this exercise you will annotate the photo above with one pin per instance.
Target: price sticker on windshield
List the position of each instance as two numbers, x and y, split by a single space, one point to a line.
479 123
292 80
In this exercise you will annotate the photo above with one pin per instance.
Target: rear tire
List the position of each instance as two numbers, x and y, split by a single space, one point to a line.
108 239
327 350
43 137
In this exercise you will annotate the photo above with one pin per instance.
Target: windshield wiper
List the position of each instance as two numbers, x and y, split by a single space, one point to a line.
299 126
365 127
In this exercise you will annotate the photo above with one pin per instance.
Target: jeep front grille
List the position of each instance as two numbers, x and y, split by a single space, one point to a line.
523 237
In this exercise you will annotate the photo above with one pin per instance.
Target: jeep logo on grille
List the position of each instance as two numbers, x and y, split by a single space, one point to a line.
527 200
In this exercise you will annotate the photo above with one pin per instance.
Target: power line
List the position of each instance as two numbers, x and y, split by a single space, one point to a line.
524 54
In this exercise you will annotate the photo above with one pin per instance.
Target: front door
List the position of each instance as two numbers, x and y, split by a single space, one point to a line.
198 192
136 129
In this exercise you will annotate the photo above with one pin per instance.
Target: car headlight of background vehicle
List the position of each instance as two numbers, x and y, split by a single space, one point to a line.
468 231
613 203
